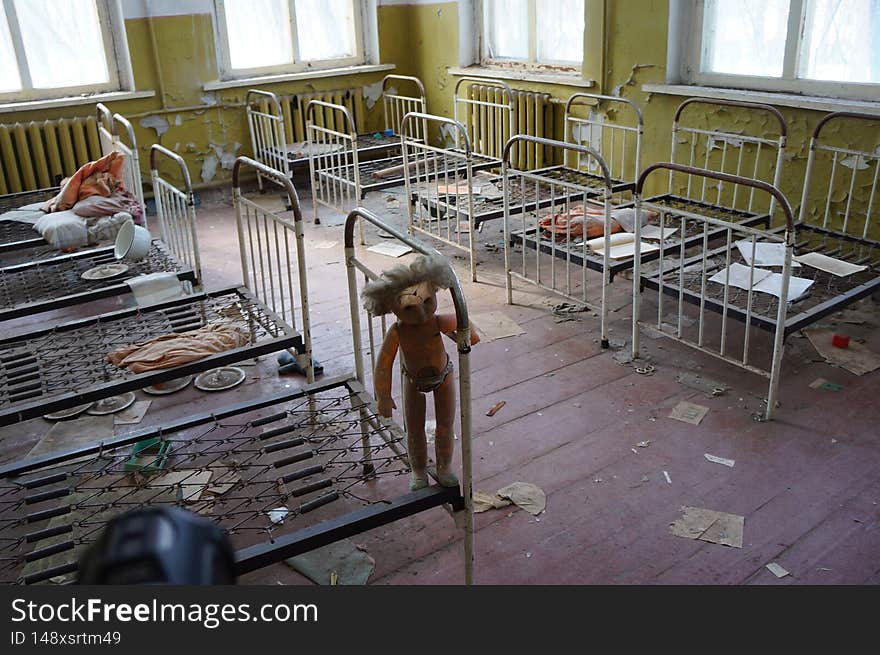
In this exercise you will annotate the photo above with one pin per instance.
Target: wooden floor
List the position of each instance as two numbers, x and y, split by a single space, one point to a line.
807 483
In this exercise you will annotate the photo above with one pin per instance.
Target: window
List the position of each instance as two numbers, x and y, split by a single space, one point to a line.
51 49
818 47
533 32
285 36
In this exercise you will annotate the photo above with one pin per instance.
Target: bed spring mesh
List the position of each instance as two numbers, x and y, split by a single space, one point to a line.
68 359
826 286
49 280
316 456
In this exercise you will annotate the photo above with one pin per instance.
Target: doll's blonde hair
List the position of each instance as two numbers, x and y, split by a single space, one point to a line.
380 294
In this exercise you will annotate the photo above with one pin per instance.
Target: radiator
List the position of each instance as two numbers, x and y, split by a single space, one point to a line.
37 155
293 110
533 113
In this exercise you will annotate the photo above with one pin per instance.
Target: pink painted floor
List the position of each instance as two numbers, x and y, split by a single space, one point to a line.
807 483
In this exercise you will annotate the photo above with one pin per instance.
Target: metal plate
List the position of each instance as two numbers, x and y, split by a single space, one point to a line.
112 404
67 413
219 379
104 271
172 386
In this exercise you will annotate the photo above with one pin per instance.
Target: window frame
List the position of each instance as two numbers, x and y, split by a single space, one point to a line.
532 63
112 24
694 49
227 73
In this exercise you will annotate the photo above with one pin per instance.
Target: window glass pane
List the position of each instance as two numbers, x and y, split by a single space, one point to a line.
507 29
746 37
9 80
560 31
258 33
63 42
325 29
842 41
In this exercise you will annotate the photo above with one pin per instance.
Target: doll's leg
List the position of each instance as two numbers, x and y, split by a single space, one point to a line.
444 441
416 443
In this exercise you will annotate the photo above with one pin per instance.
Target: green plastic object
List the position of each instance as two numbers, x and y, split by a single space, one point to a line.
149 455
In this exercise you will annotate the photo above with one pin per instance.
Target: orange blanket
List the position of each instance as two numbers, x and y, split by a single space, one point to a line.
580 221
178 348
97 178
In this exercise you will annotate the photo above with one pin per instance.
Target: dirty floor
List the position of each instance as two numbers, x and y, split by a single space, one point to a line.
581 423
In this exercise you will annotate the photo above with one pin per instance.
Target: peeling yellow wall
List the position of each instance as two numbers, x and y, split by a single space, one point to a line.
420 39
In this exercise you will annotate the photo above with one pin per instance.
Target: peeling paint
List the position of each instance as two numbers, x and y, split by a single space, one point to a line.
226 158
447 133
178 120
209 98
372 93
209 168
157 123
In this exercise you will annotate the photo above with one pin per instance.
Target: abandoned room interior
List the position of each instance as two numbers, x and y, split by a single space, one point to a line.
467 292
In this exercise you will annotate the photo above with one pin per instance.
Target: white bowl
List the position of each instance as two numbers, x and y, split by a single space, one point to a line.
132 242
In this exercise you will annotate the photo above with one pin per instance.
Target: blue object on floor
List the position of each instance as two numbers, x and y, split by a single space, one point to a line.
287 364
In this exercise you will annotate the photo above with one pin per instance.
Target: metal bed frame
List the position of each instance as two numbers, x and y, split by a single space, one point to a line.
561 195
686 279
18 236
318 448
48 284
735 154
575 170
267 129
59 367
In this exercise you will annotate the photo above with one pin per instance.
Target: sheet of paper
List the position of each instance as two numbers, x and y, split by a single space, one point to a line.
617 239
132 415
772 284
739 276
828 264
654 233
720 460
688 412
495 325
856 358
67 435
777 570
709 525
625 250
390 249
766 254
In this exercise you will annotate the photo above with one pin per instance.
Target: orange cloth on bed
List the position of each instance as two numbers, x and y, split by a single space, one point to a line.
97 178
558 225
178 348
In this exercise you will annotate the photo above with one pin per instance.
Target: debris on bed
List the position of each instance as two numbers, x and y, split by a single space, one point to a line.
709 525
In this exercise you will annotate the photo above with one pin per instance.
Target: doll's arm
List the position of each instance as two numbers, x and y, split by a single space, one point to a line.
448 324
382 374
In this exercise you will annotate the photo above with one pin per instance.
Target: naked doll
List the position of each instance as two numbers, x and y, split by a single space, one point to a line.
410 293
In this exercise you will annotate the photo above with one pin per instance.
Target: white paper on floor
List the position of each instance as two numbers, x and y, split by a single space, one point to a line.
495 325
390 249
777 570
766 254
708 525
828 264
856 358
720 460
688 412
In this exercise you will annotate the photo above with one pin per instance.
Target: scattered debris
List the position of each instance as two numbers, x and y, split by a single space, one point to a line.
132 415
701 383
622 357
390 249
689 412
525 495
494 409
709 525
635 452
856 358
484 502
190 483
645 370
644 444
340 563
495 325
825 385
66 435
777 570
278 514
666 475
568 311
720 460
324 245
